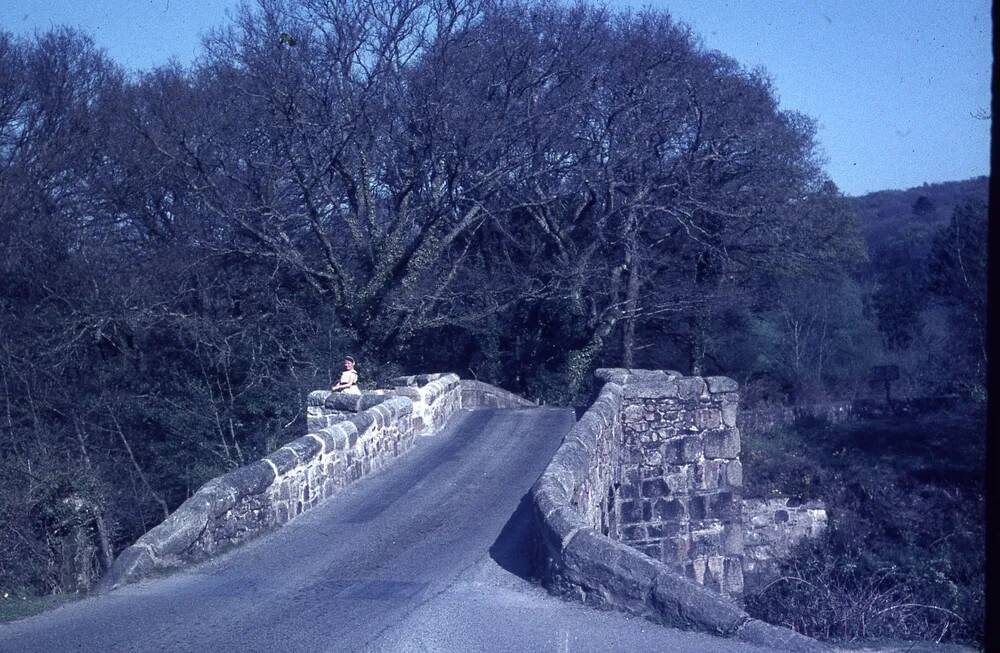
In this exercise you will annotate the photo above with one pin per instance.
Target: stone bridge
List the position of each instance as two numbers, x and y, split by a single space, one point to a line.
403 520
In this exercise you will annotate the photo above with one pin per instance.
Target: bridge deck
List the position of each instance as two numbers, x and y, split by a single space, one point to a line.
424 556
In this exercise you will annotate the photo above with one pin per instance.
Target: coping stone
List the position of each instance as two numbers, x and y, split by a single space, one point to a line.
773 637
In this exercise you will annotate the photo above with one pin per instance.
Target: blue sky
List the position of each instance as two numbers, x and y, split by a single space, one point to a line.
893 84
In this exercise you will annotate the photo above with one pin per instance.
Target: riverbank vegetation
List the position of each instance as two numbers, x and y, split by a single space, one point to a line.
904 555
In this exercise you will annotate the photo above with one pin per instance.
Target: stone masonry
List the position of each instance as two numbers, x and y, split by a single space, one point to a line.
349 437
639 509
771 527
680 494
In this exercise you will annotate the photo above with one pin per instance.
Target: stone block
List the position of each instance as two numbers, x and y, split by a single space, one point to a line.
715 567
729 414
412 393
345 402
667 388
361 422
633 533
690 387
733 577
633 413
663 530
724 505
693 448
559 525
549 494
652 456
676 549
132 563
673 451
655 487
676 478
624 576
708 418
281 514
250 479
666 431
732 539
305 448
707 541
698 506
180 530
284 460
719 384
733 474
670 509
371 399
640 426
776 638
317 422
723 443
631 512
646 376
317 398
711 474
684 604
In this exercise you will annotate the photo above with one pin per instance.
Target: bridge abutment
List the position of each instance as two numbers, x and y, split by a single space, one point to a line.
681 481
640 509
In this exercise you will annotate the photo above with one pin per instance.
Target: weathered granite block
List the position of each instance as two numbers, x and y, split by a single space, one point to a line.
655 487
729 413
667 509
719 384
650 389
724 443
733 473
690 387
708 418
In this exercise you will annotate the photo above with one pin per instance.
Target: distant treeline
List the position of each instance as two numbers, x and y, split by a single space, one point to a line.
518 192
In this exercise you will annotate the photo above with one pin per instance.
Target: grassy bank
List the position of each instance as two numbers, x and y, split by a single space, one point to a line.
905 552
13 607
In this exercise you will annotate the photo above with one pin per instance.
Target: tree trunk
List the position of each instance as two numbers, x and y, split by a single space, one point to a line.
631 308
697 326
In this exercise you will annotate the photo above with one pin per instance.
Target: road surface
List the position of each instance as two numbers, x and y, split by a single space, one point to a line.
426 555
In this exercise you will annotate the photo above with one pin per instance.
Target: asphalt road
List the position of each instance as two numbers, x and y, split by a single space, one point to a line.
426 555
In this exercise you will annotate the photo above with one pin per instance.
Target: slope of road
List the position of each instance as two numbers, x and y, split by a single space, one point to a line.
427 555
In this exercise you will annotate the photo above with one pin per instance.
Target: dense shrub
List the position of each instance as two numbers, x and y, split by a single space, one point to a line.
904 556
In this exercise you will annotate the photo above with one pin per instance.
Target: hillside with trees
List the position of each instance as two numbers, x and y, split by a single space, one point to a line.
518 192
888 214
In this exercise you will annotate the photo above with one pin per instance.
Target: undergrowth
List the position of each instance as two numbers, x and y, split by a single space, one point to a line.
904 555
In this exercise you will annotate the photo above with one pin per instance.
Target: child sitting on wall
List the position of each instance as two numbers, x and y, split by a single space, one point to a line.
348 383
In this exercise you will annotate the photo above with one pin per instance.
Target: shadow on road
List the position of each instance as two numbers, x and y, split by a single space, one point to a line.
515 547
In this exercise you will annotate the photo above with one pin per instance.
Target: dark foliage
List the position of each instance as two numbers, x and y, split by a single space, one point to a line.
904 554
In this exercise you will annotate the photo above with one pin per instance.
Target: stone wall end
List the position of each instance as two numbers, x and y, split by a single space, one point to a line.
579 562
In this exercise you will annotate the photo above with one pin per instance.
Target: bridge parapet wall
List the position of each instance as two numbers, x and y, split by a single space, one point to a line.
636 436
476 394
349 437
682 476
